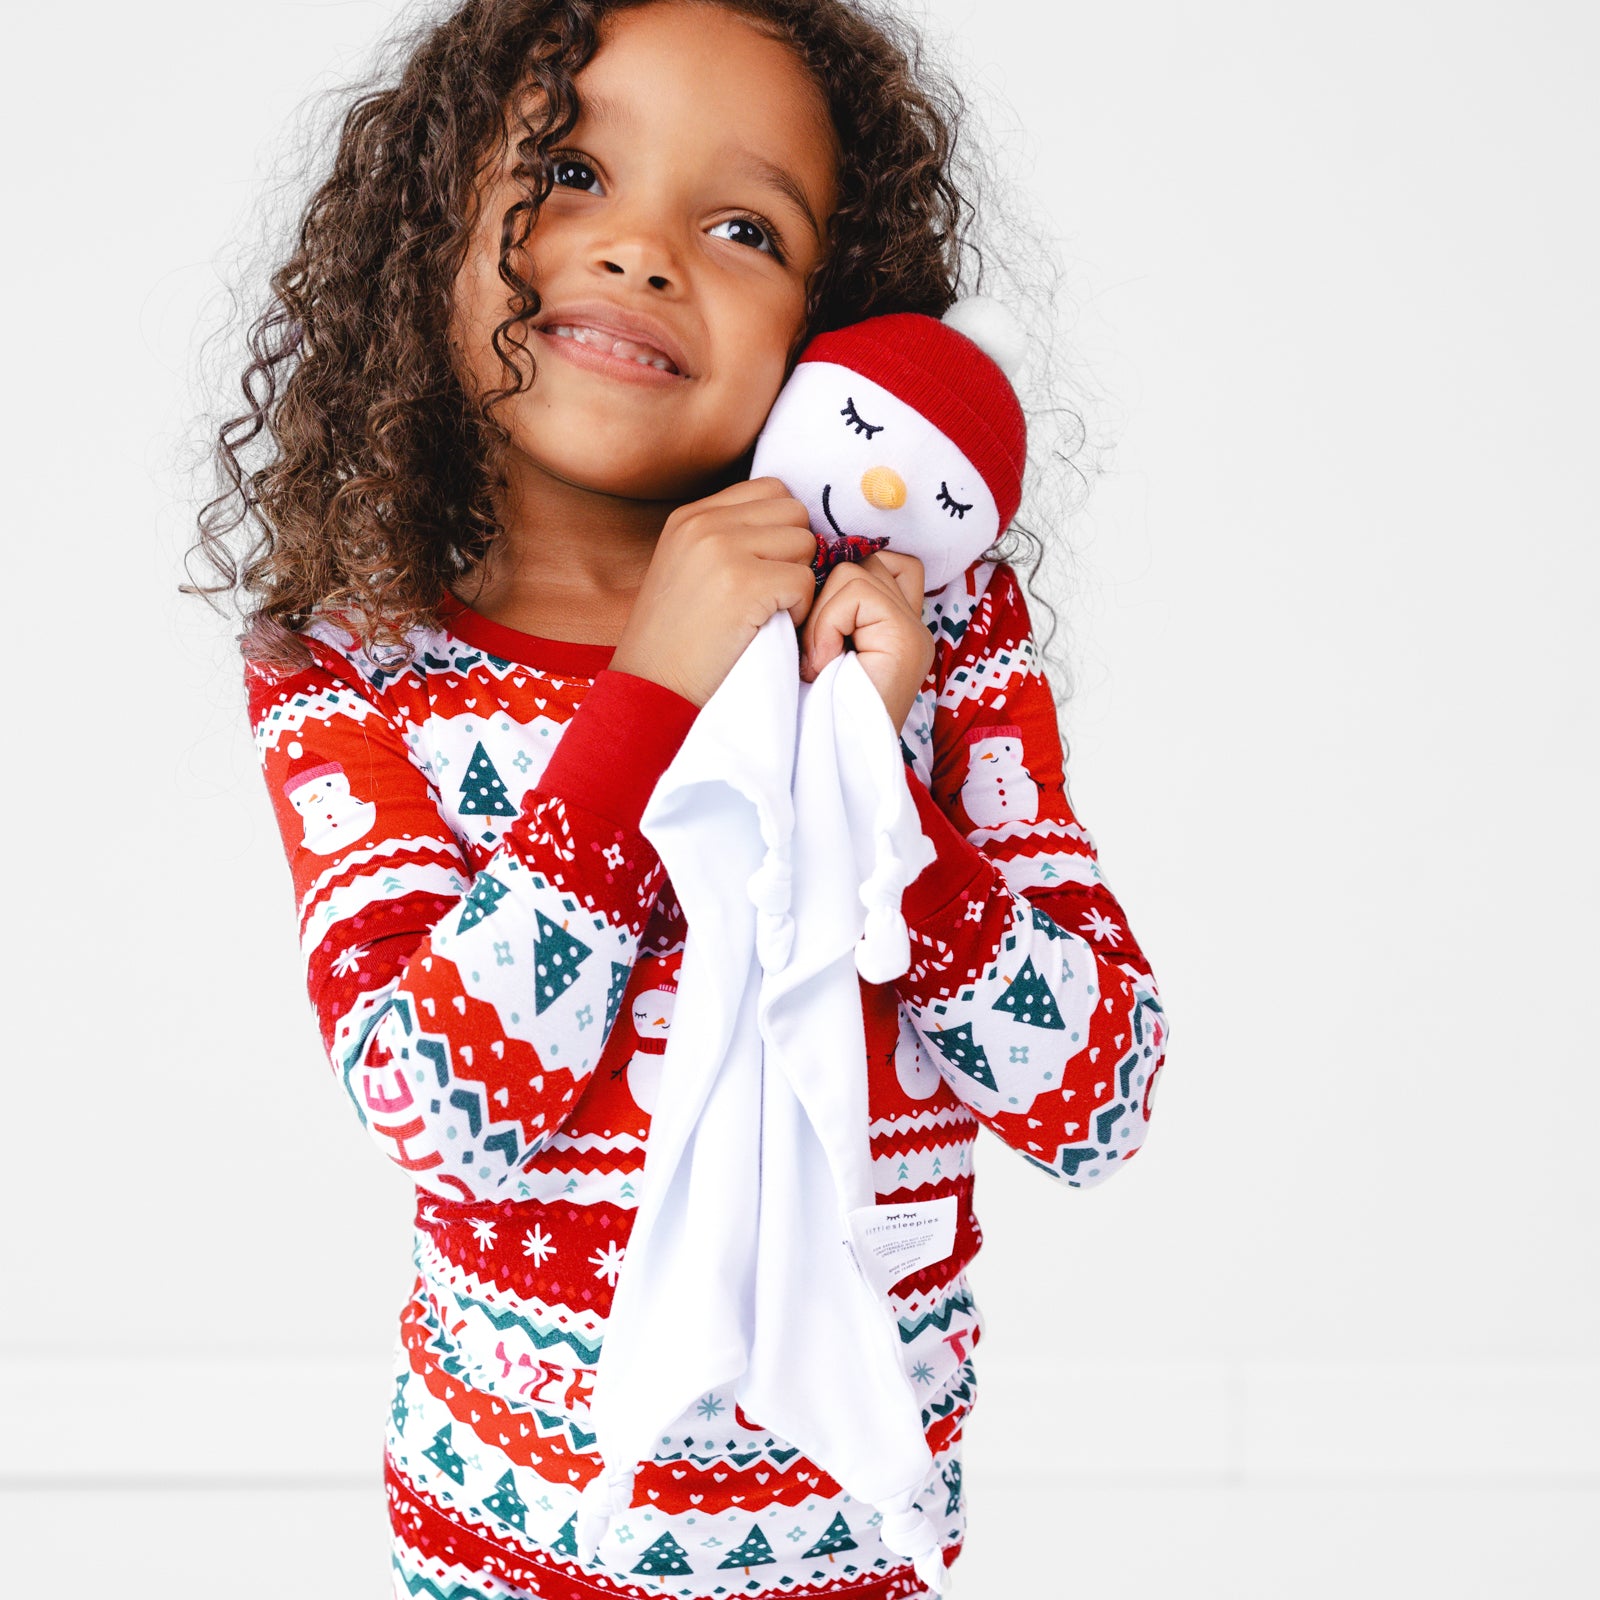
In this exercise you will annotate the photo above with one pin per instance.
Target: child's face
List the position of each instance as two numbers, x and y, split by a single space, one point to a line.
653 213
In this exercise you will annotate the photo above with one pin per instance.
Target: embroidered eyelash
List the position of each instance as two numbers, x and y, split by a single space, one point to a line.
859 422
955 506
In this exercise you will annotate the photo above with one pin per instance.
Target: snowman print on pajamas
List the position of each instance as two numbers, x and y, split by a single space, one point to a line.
333 818
652 1016
998 788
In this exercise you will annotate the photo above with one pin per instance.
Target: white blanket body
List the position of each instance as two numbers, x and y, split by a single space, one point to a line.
786 827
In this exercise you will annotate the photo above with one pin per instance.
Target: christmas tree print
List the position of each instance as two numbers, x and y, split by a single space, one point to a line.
444 1457
567 1540
507 1504
754 1552
952 1481
556 959
397 1406
836 1538
1028 998
487 893
619 982
482 792
960 1049
664 1559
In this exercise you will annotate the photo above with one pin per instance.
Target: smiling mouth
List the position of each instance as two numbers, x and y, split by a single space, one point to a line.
829 514
622 346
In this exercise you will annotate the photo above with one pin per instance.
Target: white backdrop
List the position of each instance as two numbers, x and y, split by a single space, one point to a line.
1333 733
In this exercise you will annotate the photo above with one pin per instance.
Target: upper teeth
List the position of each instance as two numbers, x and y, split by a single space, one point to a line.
628 349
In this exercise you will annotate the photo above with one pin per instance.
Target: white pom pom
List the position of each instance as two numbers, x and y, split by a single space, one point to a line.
993 327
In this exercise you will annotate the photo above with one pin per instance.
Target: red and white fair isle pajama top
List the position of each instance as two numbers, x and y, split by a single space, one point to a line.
494 786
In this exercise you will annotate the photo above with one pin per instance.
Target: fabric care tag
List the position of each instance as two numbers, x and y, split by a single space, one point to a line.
891 1241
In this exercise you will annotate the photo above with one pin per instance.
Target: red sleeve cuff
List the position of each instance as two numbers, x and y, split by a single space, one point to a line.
622 737
959 865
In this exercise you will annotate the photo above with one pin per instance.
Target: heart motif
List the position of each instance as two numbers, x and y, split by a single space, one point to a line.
719 1476
474 1416
738 1499
501 1097
677 1474
524 1427
505 1438
519 681
541 704
572 1472
761 1477
655 1494
695 1499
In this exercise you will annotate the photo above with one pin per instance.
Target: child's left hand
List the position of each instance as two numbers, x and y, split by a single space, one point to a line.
877 604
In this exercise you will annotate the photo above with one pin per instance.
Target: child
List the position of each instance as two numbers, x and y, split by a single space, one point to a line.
487 610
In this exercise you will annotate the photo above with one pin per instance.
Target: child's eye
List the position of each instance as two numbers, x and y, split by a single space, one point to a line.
857 421
954 507
763 230
573 173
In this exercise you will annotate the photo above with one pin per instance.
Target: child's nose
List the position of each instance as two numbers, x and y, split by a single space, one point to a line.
640 248
884 488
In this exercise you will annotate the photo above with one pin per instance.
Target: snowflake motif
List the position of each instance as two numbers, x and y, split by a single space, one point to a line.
522 761
502 953
975 911
1019 1052
585 1016
1100 926
797 1533
430 1215
348 961
608 1262
483 1230
710 1406
538 1244
922 1372
613 856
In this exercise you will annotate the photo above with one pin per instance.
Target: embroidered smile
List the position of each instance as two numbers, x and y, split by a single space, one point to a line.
833 522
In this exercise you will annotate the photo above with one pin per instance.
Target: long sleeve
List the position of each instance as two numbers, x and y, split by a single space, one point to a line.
463 1011
1026 985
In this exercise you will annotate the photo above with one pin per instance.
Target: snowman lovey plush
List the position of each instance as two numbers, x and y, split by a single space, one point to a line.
760 1260
904 430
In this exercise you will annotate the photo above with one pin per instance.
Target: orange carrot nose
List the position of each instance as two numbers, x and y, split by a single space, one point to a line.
884 488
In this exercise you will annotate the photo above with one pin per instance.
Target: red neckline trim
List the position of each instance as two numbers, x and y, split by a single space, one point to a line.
527 649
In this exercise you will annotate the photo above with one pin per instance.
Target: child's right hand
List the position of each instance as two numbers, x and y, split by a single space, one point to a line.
722 566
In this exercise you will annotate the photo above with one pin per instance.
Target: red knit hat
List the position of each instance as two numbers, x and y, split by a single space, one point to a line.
307 768
949 378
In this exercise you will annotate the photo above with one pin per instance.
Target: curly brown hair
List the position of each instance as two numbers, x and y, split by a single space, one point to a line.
378 487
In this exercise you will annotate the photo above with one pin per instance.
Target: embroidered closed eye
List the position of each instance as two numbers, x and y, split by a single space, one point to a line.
857 421
954 507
